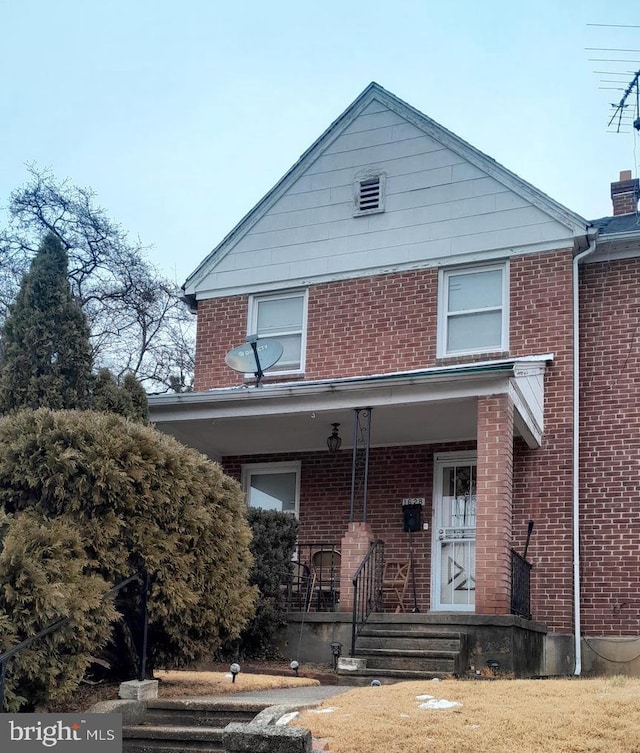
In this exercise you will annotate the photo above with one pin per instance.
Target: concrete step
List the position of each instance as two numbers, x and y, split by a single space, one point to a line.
440 665
382 630
443 662
156 738
414 648
179 725
176 713
386 676
367 642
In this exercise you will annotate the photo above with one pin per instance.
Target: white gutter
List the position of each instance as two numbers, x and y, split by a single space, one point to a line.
576 459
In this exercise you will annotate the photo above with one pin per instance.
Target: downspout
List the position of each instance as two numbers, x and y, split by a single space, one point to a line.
576 457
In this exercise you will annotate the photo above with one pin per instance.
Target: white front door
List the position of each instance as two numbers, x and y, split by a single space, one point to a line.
454 532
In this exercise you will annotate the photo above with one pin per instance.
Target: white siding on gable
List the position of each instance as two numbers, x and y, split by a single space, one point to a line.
439 208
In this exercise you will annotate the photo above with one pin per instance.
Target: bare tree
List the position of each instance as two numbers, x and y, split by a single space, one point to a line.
138 323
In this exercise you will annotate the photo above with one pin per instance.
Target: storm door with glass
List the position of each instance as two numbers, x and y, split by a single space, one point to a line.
454 533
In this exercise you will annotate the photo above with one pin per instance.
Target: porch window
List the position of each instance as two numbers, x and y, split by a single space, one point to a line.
272 486
473 311
283 317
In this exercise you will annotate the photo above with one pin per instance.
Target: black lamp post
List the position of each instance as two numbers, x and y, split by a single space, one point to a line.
336 650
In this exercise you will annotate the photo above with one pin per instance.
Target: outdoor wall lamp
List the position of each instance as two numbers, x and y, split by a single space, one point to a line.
334 441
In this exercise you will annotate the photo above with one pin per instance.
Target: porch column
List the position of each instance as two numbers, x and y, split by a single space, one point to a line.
353 546
493 508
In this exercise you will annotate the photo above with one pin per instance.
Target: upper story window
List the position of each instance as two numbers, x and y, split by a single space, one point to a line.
369 192
283 317
272 486
473 312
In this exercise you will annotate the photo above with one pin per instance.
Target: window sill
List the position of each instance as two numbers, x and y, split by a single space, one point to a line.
283 376
469 357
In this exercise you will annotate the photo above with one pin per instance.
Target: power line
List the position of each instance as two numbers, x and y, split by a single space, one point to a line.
616 26
608 49
611 60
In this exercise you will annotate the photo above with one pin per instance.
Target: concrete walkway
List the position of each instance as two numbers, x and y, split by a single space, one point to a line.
298 696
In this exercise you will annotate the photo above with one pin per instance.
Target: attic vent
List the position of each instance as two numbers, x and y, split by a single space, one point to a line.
369 194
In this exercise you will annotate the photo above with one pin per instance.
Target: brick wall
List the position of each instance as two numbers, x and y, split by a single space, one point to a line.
389 324
394 473
363 326
541 321
610 448
494 508
221 325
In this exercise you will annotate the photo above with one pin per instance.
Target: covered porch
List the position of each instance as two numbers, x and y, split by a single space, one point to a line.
411 520
439 441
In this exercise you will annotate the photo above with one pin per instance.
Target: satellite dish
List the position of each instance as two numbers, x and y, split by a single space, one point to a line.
254 356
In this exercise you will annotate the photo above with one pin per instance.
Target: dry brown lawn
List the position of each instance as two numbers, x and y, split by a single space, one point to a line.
174 683
502 716
177 684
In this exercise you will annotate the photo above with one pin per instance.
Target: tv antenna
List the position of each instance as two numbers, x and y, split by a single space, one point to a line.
617 61
254 356
619 109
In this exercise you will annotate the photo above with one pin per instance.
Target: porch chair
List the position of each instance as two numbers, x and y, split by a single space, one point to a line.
395 581
325 583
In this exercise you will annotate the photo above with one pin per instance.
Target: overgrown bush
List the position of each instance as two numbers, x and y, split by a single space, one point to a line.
43 579
128 399
93 498
272 546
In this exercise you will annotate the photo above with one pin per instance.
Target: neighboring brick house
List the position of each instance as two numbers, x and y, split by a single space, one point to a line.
425 299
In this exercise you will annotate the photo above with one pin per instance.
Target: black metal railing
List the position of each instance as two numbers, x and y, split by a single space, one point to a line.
520 585
367 589
140 576
313 580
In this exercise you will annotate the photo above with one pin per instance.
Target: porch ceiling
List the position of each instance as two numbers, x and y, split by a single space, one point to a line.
301 432
434 405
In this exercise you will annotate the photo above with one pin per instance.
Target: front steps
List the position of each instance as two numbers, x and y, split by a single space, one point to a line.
172 726
408 651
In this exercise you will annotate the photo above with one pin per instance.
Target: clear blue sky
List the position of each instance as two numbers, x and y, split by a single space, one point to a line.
182 115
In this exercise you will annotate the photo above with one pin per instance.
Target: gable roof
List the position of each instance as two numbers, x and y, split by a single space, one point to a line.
374 92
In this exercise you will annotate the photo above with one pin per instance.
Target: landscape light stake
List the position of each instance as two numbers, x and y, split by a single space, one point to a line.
234 669
3 672
145 626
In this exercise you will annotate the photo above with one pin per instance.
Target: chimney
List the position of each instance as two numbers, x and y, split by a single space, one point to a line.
625 194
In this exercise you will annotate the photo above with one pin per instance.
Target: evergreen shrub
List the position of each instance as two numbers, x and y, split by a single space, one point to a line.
273 544
46 353
115 496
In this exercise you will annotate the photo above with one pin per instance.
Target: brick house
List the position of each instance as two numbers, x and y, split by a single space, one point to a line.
438 314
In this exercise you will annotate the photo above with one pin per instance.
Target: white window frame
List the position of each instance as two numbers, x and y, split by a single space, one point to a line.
252 324
365 175
443 306
261 469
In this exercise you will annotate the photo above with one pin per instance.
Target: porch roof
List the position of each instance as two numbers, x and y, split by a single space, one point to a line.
422 406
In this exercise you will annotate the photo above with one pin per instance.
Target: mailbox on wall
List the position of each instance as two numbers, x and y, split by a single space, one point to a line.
412 513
